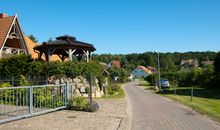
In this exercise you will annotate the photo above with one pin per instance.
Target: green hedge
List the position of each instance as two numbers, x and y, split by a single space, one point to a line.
187 77
25 65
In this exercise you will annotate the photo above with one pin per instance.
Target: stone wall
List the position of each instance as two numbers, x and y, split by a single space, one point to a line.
79 86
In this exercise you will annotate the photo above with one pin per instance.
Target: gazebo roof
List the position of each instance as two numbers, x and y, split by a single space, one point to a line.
65 42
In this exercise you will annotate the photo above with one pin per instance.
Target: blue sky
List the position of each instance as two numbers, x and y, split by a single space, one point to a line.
123 26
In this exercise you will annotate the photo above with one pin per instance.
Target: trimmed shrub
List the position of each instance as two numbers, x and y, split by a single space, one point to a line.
78 104
82 104
152 79
113 89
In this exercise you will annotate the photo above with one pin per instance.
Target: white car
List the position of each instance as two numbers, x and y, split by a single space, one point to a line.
164 83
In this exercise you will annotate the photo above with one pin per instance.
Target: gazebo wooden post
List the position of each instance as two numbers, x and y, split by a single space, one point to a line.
70 55
87 55
40 55
48 55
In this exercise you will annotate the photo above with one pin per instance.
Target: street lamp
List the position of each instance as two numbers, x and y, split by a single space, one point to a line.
158 65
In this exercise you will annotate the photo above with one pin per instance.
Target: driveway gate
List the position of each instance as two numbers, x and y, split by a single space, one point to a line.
26 101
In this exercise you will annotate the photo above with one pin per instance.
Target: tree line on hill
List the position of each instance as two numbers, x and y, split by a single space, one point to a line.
170 63
208 76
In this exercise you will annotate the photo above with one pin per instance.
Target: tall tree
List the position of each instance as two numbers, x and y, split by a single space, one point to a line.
50 39
33 38
217 67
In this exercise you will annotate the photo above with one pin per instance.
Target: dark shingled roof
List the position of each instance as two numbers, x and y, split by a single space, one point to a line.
66 41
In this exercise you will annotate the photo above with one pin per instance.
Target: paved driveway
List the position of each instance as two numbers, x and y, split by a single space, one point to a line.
153 112
111 116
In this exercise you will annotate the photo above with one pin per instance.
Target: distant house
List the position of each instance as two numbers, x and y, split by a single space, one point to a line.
192 63
152 69
115 63
141 71
205 63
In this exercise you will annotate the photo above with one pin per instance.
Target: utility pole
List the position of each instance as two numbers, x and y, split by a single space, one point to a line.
158 65
90 92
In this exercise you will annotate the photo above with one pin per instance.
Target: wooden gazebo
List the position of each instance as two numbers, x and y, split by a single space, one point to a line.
65 47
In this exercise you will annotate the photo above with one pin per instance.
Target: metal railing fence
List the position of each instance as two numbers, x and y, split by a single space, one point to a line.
31 80
26 101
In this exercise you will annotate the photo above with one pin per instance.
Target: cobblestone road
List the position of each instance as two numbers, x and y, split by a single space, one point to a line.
111 116
152 112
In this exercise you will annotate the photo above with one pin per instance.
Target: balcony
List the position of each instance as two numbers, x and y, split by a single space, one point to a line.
9 51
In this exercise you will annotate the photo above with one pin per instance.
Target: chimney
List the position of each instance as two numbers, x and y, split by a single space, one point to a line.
3 15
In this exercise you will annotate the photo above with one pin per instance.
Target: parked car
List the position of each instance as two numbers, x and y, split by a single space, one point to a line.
164 83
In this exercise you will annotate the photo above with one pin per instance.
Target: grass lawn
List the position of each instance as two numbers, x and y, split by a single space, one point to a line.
145 85
206 106
119 94
206 102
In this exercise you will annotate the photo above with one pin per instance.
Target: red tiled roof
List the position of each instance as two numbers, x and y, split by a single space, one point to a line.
116 63
5 24
145 69
152 69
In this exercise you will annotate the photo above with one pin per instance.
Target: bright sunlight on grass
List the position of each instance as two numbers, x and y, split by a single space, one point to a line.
206 102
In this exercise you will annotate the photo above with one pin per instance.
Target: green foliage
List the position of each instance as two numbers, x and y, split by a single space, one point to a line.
78 103
217 68
197 76
168 61
32 37
87 90
82 104
118 72
93 68
113 72
71 69
152 79
101 80
36 68
15 66
54 68
23 81
5 85
24 65
205 100
42 96
123 75
113 89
